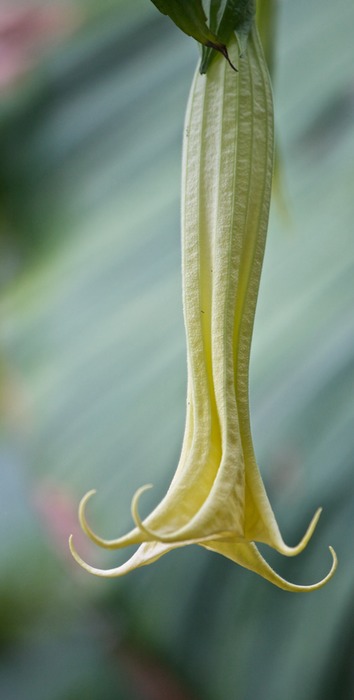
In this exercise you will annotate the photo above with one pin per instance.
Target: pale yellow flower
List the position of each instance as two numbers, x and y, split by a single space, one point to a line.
217 498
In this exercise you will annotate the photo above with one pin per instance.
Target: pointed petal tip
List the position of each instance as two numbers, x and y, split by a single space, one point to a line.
334 560
74 553
82 563
330 574
297 549
88 495
137 495
82 515
100 541
322 583
118 543
141 557
149 534
83 502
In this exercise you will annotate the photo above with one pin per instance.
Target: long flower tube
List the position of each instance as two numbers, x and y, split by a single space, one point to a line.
217 498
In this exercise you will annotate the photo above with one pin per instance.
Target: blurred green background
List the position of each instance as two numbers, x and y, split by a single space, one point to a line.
93 370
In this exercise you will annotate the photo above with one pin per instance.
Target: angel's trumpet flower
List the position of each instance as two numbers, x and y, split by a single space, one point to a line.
217 498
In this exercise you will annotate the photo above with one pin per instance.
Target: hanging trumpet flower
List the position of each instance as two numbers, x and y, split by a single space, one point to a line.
217 498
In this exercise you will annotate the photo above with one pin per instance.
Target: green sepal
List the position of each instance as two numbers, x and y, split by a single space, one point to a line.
189 16
224 18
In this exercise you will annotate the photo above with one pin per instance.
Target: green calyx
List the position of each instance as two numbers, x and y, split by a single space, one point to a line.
224 18
211 23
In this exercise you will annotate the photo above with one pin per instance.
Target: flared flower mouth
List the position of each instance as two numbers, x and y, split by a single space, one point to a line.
217 498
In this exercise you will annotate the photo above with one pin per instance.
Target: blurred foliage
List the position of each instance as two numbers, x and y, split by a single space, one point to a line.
93 370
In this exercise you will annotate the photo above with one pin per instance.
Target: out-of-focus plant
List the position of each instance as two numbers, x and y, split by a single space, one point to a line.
217 498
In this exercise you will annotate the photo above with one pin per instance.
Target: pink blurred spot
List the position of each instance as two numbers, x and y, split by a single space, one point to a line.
58 510
25 31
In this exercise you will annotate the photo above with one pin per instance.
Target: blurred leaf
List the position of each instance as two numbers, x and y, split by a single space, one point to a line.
189 16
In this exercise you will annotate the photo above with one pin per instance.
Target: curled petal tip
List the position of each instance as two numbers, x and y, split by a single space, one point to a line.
82 507
77 557
330 574
335 561
135 500
88 495
85 499
84 524
140 491
309 532
293 551
73 550
135 513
